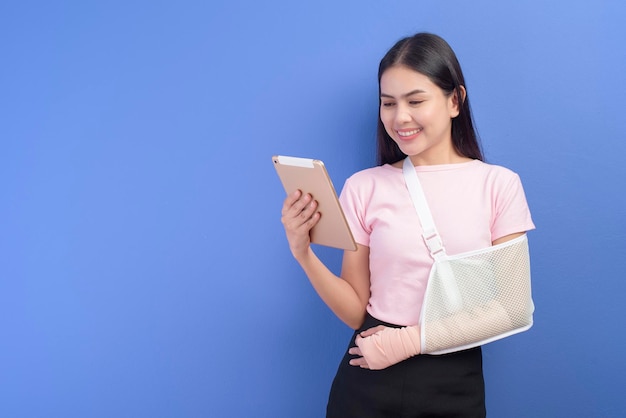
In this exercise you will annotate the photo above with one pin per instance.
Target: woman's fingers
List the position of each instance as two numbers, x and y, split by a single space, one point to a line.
360 361
290 201
299 215
299 210
372 331
357 361
355 351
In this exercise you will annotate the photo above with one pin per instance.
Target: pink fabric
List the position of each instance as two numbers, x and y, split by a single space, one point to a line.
472 204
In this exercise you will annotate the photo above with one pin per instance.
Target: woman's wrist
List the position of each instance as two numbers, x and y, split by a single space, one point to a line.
302 255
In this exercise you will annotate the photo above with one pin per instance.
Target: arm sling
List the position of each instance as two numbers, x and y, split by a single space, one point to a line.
475 297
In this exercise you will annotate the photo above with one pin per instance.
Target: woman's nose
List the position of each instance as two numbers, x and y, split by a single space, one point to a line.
403 115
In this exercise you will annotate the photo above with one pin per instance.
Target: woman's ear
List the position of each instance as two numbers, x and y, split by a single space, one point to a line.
463 93
455 108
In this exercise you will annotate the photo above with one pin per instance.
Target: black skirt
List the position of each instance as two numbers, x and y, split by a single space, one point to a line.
448 385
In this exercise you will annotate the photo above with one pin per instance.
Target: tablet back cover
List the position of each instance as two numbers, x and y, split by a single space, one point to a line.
310 176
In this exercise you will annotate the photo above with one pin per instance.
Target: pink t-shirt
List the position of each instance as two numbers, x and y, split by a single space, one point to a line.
472 204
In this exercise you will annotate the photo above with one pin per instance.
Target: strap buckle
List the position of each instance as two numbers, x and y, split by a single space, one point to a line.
434 243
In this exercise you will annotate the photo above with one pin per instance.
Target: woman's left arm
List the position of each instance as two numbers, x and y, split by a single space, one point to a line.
507 238
387 346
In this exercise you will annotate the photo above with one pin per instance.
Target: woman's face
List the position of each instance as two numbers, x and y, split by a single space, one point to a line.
417 115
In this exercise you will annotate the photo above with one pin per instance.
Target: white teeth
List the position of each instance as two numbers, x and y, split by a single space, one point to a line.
409 133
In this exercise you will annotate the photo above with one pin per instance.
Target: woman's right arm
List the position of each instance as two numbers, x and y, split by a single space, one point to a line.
347 296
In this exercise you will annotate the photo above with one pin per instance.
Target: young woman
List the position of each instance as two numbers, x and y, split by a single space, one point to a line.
424 114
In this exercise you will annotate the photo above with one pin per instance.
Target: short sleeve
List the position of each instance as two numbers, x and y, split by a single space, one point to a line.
510 209
352 203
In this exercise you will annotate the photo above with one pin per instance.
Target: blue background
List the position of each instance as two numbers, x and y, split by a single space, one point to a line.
143 267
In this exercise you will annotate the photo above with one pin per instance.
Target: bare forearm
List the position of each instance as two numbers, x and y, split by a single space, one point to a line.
337 293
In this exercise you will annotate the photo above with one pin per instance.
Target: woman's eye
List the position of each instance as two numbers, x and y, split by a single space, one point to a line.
415 102
388 104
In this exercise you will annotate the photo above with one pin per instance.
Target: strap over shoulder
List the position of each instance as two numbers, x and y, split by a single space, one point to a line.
430 234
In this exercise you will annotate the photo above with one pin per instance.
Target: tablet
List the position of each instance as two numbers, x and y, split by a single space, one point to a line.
310 176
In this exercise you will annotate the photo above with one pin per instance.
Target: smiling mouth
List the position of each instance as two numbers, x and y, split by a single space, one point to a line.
409 133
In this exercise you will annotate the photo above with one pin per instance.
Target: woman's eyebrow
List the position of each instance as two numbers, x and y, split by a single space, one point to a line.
411 93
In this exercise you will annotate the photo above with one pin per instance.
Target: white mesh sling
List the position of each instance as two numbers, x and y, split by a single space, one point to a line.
475 297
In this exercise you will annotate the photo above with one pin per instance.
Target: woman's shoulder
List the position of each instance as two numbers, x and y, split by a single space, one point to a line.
494 171
374 174
475 170
366 181
500 180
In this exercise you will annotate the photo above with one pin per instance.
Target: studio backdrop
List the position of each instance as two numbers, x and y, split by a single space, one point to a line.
144 270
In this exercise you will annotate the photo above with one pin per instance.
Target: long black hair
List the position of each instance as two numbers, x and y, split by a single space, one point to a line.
430 55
